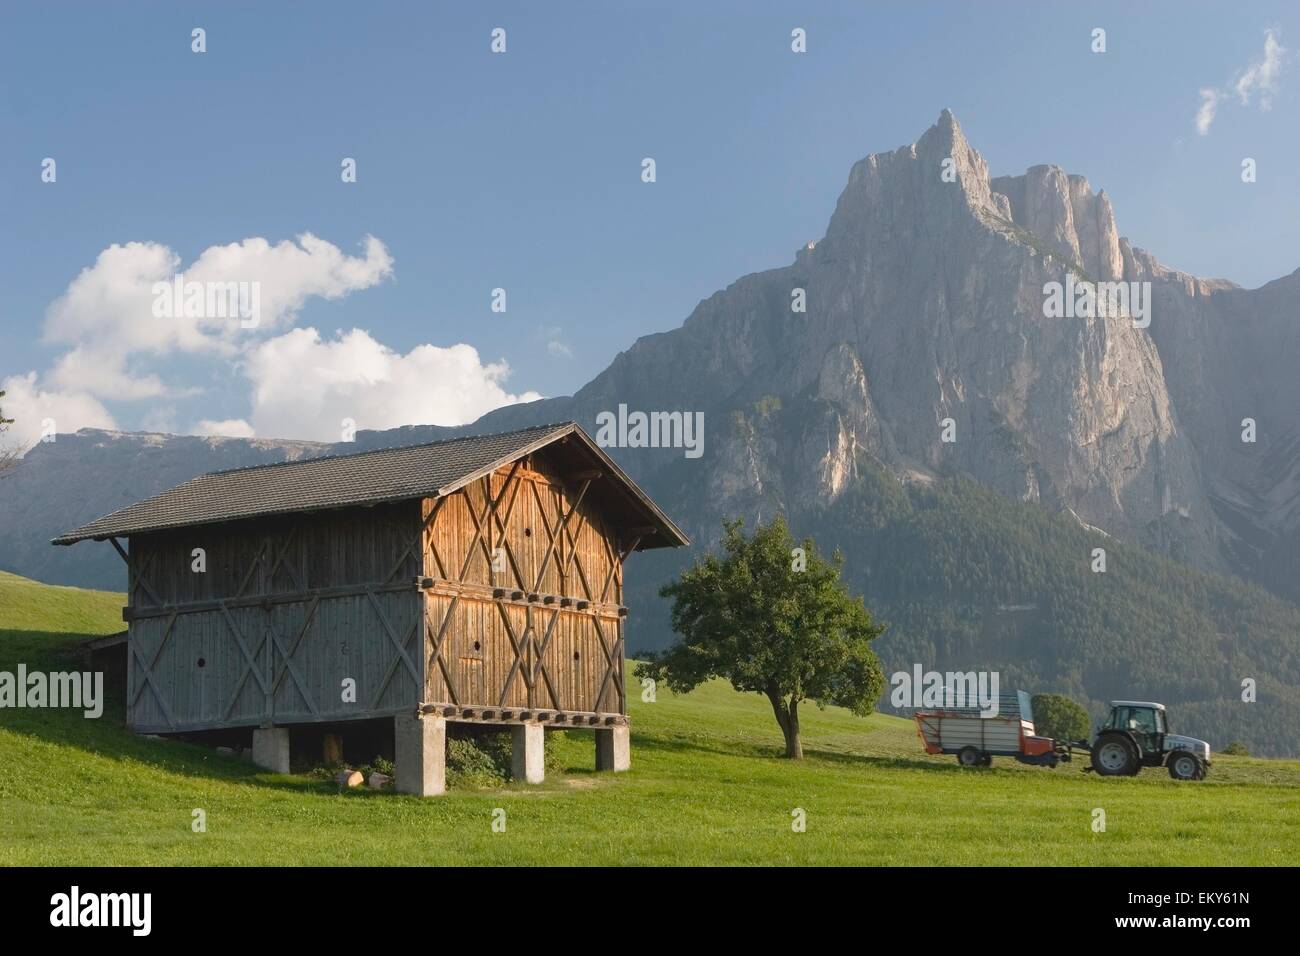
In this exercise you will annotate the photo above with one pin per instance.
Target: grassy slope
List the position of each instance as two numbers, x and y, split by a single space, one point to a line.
706 787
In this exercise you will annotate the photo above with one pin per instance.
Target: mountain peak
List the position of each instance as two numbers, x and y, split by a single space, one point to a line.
945 135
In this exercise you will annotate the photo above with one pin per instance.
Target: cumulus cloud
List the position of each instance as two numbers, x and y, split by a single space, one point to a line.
1257 82
118 347
290 273
31 406
307 387
107 313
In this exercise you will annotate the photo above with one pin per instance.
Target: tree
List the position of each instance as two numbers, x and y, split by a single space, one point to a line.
1059 717
773 621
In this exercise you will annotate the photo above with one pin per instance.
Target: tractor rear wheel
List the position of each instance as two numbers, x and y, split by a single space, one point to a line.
1114 756
968 757
1185 765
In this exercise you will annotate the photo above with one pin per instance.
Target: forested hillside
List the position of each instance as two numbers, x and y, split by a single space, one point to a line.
969 579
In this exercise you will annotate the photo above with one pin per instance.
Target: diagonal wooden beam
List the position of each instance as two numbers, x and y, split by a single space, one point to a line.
573 558
392 636
284 551
392 668
291 670
520 648
148 668
438 641
539 665
147 674
615 561
501 539
137 574
426 539
293 649
490 506
250 666
564 523
609 663
248 576
546 526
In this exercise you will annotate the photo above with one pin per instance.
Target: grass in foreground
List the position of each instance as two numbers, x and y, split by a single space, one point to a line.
706 787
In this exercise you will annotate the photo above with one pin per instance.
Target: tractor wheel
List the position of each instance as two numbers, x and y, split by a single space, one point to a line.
968 757
1184 765
1114 756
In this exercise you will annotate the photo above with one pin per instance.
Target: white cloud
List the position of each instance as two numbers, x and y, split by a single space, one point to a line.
226 428
116 349
289 274
29 406
1261 76
1258 81
107 312
559 349
304 387
1209 106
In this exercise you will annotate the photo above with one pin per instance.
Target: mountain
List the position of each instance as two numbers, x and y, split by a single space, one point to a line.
79 477
927 306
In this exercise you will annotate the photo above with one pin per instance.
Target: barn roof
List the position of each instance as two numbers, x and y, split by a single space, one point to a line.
368 478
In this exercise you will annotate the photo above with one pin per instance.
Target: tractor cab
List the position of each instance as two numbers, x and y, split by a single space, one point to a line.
1144 721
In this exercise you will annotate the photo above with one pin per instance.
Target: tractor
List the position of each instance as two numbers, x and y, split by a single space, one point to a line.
1136 735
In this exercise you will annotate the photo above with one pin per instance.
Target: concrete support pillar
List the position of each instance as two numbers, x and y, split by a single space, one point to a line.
420 755
271 748
527 752
613 748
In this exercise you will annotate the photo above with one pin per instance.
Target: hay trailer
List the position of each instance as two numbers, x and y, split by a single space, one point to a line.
976 738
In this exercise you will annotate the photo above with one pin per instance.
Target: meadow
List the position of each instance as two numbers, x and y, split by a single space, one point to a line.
707 786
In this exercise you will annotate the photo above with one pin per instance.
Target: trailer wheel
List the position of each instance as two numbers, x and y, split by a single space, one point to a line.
1114 756
986 760
1185 765
968 757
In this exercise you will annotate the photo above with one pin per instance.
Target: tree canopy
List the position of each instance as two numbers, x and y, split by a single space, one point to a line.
772 618
1059 717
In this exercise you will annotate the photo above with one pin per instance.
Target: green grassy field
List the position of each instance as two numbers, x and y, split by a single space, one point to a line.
706 787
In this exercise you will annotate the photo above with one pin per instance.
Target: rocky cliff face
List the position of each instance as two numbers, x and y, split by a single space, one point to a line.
924 313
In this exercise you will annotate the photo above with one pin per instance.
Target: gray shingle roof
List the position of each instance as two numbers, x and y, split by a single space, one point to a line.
388 474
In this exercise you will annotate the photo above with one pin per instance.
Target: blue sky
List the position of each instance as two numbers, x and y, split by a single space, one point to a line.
522 170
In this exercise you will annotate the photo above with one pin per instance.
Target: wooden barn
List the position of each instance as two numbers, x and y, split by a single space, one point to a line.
478 579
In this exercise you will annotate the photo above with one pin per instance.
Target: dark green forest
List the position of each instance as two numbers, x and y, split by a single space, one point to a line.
969 580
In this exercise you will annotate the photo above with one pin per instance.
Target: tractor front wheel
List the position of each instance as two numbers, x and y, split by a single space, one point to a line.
1114 756
1184 765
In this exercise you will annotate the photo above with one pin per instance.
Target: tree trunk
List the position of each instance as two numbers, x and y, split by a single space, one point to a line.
793 745
787 715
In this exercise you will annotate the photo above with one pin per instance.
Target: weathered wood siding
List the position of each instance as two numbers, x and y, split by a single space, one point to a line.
520 605
525 606
286 610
